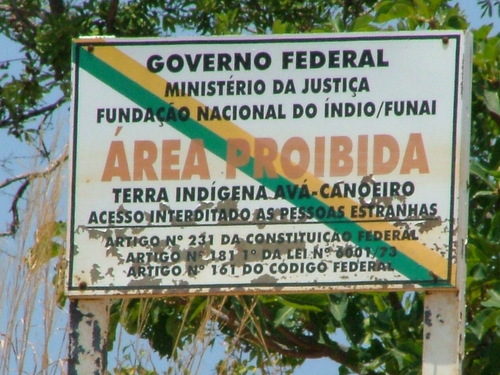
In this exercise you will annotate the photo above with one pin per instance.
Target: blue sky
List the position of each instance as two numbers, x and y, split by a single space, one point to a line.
473 12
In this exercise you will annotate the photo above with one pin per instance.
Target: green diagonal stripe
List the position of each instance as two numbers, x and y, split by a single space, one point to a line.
414 271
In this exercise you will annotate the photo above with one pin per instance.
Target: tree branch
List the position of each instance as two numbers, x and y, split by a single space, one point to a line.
35 112
111 17
27 178
21 24
289 344
394 301
14 225
56 7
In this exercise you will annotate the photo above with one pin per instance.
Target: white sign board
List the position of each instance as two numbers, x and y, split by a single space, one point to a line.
267 164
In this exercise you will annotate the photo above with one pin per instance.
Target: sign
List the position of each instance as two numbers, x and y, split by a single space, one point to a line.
302 163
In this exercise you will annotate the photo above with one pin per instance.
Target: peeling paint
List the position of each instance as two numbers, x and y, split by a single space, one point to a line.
195 257
88 337
428 318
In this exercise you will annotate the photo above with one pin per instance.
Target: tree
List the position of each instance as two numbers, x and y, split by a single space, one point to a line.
383 331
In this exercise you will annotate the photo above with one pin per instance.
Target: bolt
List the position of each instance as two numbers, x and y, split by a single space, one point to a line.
82 286
446 40
90 48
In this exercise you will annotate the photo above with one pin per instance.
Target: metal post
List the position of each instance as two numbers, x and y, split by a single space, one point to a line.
88 323
444 325
443 334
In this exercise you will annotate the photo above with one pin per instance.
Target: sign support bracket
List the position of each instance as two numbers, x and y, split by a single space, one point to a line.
444 323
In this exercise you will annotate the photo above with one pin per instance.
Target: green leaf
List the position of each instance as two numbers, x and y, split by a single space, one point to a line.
283 315
494 300
389 11
309 302
280 27
422 8
492 102
484 321
353 323
338 308
477 169
401 357
478 272
482 32
494 232
199 308
363 23
344 371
